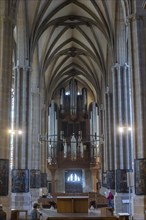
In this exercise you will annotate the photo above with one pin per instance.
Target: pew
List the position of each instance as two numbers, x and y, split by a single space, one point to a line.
88 218
82 218
106 211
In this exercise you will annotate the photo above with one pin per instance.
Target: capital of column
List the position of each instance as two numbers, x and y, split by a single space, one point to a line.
101 107
17 67
52 168
107 90
24 66
133 17
126 66
116 66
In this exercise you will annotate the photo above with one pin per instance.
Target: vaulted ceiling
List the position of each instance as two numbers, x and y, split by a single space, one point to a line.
74 38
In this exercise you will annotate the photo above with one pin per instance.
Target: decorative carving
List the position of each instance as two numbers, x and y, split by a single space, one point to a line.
133 17
116 65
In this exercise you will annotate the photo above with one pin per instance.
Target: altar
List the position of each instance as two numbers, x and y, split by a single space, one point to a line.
72 204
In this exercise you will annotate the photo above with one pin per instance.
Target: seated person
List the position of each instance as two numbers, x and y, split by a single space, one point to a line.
2 213
52 204
92 205
35 214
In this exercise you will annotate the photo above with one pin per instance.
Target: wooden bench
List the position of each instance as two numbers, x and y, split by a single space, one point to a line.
106 211
89 218
46 203
100 200
82 218
15 214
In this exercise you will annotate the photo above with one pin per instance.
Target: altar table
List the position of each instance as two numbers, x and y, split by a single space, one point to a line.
72 204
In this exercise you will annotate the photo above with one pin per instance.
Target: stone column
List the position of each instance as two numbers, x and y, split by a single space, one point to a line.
43 145
127 108
109 129
21 117
44 151
36 125
53 182
20 195
117 114
94 179
6 48
98 180
84 100
53 171
103 151
109 145
122 117
62 100
21 97
122 120
137 54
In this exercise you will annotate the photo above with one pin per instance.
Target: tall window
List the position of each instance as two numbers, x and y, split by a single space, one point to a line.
73 178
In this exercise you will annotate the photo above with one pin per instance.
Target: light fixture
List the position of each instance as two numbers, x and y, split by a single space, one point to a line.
129 128
13 132
124 128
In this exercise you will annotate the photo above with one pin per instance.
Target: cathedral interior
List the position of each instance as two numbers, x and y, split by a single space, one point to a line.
72 97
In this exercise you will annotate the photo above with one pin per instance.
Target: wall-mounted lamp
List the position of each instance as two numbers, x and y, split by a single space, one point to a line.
13 132
122 129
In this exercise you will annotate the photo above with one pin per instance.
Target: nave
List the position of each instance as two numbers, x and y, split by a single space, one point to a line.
72 101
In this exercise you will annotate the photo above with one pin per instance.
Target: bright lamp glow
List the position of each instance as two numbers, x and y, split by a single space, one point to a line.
19 132
121 129
11 131
129 129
